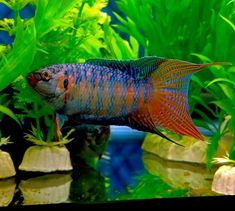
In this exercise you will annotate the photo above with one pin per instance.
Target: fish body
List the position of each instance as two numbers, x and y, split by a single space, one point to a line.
146 94
98 92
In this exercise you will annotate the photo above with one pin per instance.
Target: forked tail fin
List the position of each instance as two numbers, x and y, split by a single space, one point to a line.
168 107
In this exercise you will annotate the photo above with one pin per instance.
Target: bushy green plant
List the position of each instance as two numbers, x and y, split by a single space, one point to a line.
30 107
177 29
40 140
221 95
61 31
43 39
223 91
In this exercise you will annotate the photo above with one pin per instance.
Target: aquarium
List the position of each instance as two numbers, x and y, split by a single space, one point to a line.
117 102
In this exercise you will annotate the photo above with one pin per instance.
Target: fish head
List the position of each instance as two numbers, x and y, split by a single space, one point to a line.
50 84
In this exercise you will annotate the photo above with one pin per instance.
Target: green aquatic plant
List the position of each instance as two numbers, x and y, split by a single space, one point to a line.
60 31
5 141
220 96
30 107
7 25
225 160
50 31
4 110
33 137
223 89
172 30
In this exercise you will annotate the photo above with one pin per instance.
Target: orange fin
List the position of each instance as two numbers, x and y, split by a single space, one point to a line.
142 120
168 106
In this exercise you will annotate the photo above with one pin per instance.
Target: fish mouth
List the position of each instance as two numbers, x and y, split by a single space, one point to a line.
33 79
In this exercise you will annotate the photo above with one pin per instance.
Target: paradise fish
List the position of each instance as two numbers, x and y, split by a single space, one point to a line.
145 94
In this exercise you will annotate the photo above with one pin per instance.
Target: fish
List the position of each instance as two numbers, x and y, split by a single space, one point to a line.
149 94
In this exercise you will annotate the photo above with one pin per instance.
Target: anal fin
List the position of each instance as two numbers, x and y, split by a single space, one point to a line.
141 120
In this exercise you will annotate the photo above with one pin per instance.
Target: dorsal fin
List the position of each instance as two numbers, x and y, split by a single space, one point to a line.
139 68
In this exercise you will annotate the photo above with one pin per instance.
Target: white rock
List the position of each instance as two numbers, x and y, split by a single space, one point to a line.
193 151
224 180
46 189
46 159
7 191
7 168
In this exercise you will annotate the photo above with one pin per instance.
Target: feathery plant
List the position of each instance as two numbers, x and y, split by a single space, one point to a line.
5 141
225 160
61 31
33 137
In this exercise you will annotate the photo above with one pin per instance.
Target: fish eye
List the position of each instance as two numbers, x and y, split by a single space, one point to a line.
46 76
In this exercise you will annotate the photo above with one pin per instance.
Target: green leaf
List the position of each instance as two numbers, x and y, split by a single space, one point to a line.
212 148
33 137
134 45
226 105
7 3
221 80
203 124
228 91
232 148
201 57
228 21
20 58
197 80
5 141
206 118
9 113
204 104
90 2
225 160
